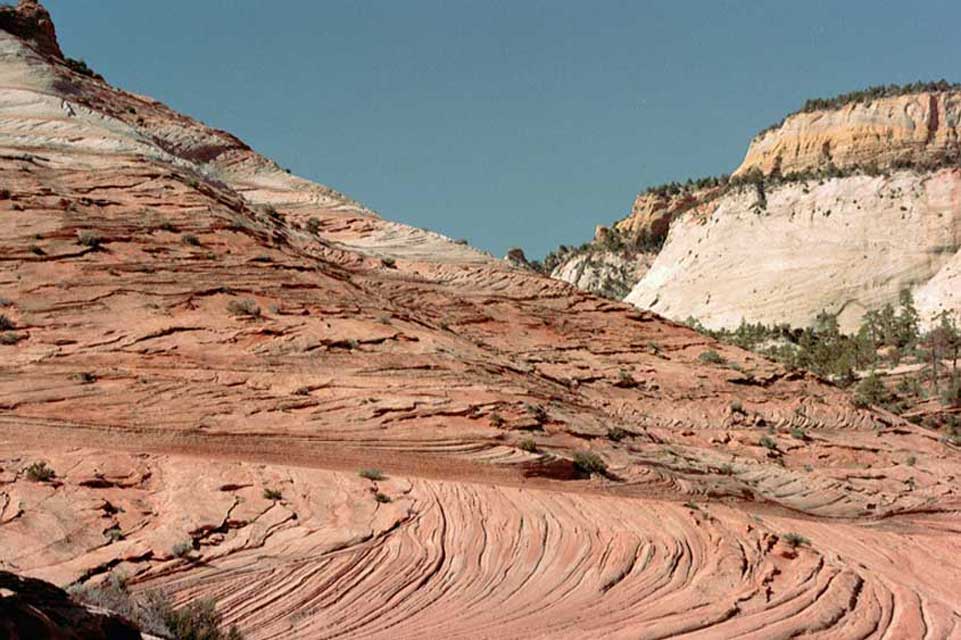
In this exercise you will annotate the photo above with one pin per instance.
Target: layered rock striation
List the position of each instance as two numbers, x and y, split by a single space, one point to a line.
223 381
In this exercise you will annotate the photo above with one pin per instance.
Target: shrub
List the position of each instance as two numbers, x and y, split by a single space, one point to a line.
191 240
181 549
870 391
589 462
767 442
115 533
711 357
244 307
625 380
616 434
85 377
80 66
6 324
382 498
538 413
727 469
313 226
198 620
272 494
795 539
89 239
911 461
799 433
10 338
528 445
389 262
371 474
737 407
147 612
497 420
40 472
5 194
166 225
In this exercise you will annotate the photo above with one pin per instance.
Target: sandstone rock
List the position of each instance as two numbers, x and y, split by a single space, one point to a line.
215 454
842 245
36 610
607 273
916 128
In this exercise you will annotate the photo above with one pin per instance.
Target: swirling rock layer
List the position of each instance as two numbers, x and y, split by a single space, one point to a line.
204 351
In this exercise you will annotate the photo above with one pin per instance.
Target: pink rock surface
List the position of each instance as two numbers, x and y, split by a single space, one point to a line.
166 412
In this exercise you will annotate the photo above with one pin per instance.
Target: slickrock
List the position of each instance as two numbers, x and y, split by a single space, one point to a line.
205 352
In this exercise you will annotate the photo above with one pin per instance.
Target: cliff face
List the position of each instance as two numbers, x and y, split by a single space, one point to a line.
879 215
916 128
842 245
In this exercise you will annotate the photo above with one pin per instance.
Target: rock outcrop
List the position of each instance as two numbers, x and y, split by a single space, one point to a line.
836 209
912 129
245 386
841 245
32 609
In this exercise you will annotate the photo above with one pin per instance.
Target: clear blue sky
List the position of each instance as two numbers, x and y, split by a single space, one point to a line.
508 123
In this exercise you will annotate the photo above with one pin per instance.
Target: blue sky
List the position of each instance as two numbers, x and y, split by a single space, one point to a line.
507 123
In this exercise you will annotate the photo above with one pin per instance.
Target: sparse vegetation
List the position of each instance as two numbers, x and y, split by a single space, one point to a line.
272 494
796 539
625 380
711 357
182 549
9 338
313 226
616 434
798 433
863 96
885 338
371 474
383 498
89 239
768 442
6 324
191 240
538 413
389 262
497 420
870 391
40 472
244 307
589 462
148 612
528 444
737 407
85 377
199 620
80 66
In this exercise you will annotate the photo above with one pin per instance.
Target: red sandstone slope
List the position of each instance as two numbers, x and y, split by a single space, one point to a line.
133 241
